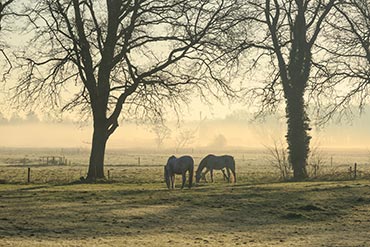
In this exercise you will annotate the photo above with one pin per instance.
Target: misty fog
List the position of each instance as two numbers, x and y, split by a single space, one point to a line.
233 131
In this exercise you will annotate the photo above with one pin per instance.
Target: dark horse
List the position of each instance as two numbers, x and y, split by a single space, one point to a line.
212 162
178 166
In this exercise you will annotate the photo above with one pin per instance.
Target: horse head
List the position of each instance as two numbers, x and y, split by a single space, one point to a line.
200 176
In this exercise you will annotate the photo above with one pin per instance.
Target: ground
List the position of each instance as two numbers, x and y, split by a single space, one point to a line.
134 208
219 214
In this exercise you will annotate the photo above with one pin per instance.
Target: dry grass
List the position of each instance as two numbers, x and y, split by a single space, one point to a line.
136 209
279 214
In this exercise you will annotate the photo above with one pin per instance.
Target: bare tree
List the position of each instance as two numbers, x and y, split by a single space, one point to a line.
134 56
283 40
162 132
185 137
4 12
348 72
278 158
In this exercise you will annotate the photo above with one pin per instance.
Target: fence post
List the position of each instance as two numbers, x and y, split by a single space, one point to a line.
355 172
28 174
108 174
138 161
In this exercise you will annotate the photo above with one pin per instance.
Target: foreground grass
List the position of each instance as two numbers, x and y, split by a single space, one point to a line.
278 214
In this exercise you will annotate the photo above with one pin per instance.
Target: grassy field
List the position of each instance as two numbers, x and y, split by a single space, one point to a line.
135 208
125 166
275 214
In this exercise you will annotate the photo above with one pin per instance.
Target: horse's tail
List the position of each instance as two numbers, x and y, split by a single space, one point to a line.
166 177
191 175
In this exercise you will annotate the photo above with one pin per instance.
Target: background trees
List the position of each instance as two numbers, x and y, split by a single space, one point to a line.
284 37
348 61
133 56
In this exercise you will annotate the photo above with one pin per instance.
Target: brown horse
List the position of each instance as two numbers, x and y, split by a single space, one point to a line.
212 162
178 166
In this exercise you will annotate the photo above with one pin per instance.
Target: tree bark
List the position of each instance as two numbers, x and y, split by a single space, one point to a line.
99 141
294 88
297 136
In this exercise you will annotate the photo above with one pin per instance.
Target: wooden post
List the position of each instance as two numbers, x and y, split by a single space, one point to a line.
138 161
355 172
350 172
331 161
29 175
108 174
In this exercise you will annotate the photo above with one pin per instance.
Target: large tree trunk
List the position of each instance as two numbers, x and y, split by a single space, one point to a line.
294 89
99 141
297 136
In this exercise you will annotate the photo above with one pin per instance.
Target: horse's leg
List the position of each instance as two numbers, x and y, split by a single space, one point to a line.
228 174
173 181
225 177
211 172
204 175
183 179
234 174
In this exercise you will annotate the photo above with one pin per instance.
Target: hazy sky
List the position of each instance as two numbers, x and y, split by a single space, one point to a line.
220 129
224 126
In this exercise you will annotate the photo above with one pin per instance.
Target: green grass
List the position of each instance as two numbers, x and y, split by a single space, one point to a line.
219 214
135 209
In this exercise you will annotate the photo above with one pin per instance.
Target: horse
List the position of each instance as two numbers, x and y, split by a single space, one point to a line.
212 162
178 166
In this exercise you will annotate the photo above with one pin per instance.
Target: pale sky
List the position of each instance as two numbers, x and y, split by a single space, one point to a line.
218 126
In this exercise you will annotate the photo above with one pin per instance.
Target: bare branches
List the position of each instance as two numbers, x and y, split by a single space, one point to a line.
138 54
348 59
5 11
10 65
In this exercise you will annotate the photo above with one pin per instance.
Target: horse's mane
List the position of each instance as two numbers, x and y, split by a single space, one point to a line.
172 157
202 164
